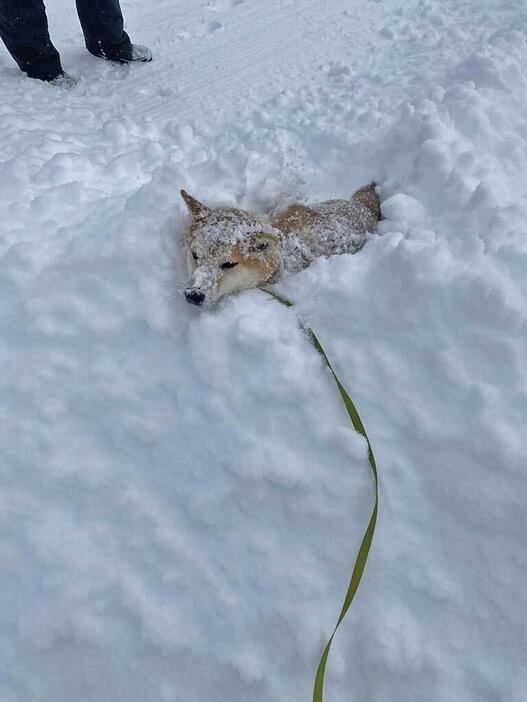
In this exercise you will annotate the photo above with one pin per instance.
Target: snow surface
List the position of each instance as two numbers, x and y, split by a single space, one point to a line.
182 496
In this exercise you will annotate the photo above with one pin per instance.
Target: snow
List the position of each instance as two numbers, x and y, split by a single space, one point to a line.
182 494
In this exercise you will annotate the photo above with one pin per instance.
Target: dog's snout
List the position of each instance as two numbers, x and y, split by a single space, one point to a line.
195 297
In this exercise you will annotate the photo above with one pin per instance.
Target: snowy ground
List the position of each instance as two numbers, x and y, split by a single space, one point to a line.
182 496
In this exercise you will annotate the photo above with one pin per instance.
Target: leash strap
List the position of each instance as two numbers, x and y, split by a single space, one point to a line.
364 550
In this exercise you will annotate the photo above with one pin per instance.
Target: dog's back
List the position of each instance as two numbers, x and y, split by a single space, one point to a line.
332 227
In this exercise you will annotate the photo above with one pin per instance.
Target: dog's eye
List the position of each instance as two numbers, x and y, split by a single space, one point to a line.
262 246
228 264
194 255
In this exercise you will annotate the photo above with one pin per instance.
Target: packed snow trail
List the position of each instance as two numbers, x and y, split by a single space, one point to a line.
182 496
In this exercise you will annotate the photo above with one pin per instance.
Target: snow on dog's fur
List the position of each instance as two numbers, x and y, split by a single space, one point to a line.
229 250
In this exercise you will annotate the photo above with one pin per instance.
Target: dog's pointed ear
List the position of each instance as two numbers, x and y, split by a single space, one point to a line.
196 209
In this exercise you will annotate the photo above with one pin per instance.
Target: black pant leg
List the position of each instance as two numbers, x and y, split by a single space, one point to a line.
103 28
24 31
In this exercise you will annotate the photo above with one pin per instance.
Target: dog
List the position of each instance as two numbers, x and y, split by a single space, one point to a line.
229 250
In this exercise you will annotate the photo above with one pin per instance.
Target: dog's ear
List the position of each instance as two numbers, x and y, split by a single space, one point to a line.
196 209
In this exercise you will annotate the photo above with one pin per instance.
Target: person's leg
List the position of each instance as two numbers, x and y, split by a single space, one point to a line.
103 28
24 31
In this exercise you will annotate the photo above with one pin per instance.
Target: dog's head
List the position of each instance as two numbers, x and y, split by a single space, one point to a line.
227 250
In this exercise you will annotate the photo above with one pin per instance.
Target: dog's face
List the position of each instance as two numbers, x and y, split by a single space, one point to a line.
227 250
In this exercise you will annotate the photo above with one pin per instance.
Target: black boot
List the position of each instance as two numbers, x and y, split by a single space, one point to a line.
103 28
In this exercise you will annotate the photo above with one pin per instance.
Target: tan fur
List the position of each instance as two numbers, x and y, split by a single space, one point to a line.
224 263
196 208
295 218
362 213
367 197
262 267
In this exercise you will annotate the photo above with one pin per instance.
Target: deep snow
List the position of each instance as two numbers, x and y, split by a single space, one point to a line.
182 496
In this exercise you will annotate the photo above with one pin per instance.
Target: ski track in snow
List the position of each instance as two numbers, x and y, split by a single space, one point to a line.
182 496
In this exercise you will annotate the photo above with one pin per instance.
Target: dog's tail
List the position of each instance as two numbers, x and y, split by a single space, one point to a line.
367 196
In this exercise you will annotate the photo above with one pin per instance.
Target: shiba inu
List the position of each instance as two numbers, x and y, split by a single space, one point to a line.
229 250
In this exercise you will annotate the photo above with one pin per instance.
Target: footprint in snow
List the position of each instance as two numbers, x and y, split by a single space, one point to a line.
209 28
223 5
201 30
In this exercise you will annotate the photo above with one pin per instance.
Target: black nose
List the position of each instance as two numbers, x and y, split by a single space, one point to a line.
195 297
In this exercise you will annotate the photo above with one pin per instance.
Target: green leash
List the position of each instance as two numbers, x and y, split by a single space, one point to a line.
364 550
